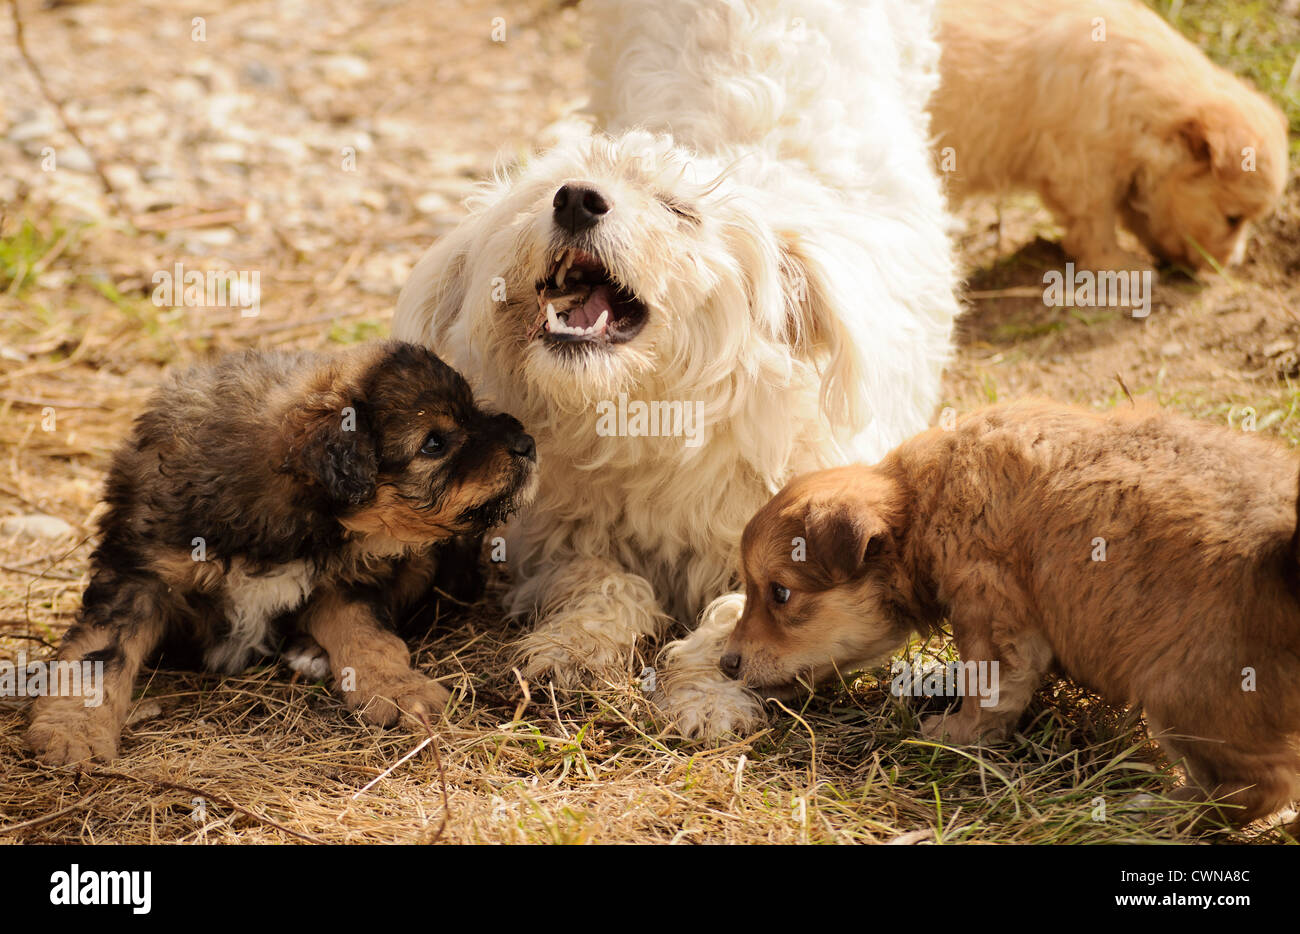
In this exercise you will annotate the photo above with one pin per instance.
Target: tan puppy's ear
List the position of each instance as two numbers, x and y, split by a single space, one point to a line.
1216 137
843 535
329 443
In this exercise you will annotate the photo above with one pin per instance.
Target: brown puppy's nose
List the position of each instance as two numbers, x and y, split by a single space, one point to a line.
730 664
579 206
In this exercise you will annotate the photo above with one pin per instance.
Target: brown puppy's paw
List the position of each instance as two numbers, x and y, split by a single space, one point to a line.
386 700
932 727
71 739
953 729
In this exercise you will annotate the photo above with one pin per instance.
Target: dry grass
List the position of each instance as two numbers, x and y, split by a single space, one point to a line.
256 758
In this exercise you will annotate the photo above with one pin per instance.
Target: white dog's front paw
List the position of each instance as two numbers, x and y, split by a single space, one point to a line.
698 698
572 657
592 624
707 707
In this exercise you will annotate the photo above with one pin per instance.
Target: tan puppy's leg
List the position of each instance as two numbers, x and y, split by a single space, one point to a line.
1023 657
1090 230
591 618
371 666
115 637
1244 785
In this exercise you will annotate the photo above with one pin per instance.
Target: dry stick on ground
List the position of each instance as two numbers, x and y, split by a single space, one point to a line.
162 222
40 403
1015 291
1119 379
527 695
27 599
442 781
384 774
432 742
46 818
201 793
270 328
22 635
47 573
54 102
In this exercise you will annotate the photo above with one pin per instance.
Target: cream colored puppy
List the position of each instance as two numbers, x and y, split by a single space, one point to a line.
1113 118
749 277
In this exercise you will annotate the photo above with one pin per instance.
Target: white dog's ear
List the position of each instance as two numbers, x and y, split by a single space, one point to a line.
435 292
819 330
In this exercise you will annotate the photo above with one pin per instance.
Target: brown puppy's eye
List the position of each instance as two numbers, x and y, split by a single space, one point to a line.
434 445
1234 220
780 594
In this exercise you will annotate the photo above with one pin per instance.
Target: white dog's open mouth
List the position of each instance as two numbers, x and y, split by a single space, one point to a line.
580 303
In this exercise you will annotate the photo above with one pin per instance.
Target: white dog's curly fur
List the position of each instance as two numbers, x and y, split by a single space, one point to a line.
768 239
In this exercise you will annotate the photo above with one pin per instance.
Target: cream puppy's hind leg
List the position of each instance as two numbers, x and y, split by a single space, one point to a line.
591 618
700 700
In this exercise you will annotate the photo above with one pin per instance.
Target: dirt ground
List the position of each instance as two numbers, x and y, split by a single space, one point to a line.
324 145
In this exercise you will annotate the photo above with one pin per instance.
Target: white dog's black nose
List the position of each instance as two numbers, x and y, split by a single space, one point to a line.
578 207
730 664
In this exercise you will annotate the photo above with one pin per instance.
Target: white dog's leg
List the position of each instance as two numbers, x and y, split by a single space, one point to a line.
591 615
693 691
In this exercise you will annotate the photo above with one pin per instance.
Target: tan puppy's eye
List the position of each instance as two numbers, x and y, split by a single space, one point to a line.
780 594
1234 220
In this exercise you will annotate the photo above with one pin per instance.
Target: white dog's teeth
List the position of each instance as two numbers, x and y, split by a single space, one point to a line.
552 319
600 323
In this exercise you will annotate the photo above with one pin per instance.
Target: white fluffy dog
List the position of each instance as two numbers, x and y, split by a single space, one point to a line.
752 271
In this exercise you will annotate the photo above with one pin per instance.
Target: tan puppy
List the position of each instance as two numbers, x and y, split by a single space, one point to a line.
1112 117
1151 558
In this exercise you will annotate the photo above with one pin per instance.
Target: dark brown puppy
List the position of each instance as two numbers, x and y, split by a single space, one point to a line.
1148 557
276 494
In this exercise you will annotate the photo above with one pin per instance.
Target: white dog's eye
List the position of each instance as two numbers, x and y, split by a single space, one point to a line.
780 594
679 208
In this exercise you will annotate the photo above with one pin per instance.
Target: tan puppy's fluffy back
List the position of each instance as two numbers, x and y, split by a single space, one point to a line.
1149 557
1112 117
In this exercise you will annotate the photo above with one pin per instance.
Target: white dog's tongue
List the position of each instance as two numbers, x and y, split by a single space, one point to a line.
588 313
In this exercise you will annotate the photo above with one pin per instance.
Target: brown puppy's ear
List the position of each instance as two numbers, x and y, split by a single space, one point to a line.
330 444
843 536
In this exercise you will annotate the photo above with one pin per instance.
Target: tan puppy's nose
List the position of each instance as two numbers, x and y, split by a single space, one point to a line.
730 664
